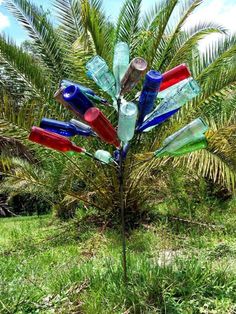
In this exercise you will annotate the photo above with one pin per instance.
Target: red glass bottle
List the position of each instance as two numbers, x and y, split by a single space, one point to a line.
174 76
54 141
102 126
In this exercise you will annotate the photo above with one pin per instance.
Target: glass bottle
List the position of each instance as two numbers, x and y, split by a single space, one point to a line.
101 75
120 62
197 144
189 132
134 73
63 128
149 93
59 98
73 95
157 120
104 156
87 91
174 76
172 89
53 140
102 126
127 121
174 101
82 126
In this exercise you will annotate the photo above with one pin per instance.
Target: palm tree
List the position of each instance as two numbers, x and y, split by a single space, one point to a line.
160 37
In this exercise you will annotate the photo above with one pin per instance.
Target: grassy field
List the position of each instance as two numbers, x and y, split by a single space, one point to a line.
174 267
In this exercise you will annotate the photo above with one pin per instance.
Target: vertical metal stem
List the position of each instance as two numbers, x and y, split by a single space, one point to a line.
122 208
122 211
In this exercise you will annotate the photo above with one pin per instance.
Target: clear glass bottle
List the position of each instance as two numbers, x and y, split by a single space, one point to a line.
173 102
186 135
104 156
120 62
173 88
127 121
82 126
101 75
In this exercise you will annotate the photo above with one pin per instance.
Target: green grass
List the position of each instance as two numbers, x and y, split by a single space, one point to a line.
173 267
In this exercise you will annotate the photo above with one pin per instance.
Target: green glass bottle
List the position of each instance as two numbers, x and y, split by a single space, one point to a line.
101 75
198 144
186 135
127 121
120 62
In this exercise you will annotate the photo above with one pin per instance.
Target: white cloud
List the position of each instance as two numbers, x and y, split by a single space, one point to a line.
4 21
221 12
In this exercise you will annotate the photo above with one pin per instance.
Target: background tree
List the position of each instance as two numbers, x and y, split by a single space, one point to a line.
84 30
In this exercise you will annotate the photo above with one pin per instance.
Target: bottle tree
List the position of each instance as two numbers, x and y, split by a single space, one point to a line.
171 90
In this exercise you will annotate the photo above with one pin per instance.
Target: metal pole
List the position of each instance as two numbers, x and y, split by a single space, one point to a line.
122 208
122 211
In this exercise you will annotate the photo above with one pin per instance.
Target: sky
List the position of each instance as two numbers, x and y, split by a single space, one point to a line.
222 12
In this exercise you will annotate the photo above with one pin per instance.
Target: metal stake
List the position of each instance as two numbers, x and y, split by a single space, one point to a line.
122 212
122 207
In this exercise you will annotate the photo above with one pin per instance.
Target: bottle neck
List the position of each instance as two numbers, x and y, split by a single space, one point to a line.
160 153
77 149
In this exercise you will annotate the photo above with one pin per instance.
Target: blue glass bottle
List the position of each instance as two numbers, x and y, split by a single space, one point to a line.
147 126
74 96
87 91
63 128
125 150
149 93
116 155
173 102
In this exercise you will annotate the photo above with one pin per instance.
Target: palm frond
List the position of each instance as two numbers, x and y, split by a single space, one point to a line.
128 27
186 9
68 13
216 75
16 119
41 30
96 27
24 177
188 40
13 147
218 54
212 166
21 68
156 30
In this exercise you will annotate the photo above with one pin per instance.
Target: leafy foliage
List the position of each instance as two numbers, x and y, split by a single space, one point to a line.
161 37
42 32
